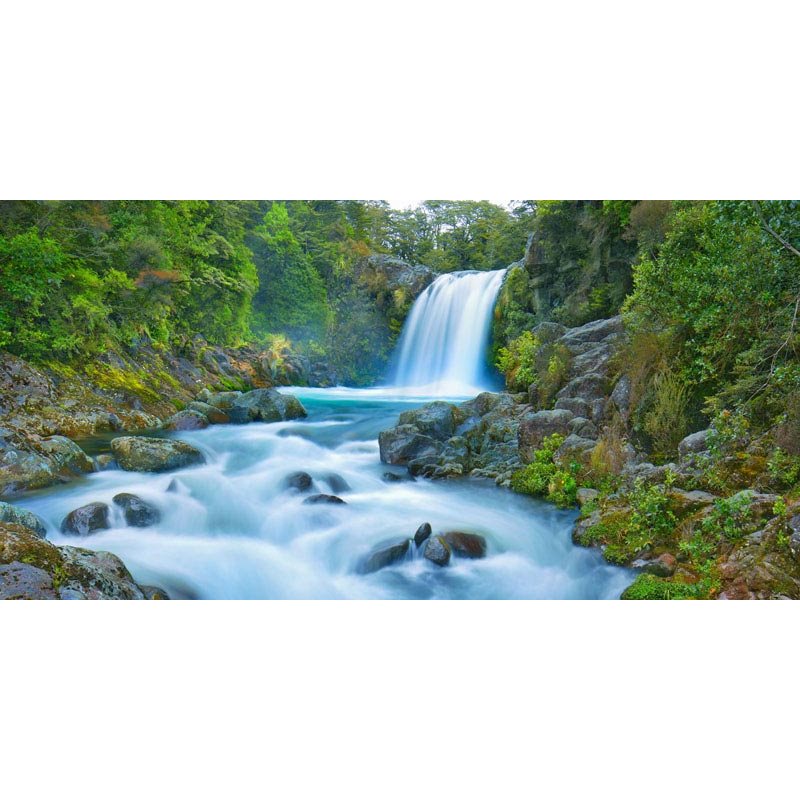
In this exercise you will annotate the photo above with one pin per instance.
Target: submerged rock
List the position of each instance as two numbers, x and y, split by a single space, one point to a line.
87 519
298 480
336 482
438 551
146 454
138 513
385 556
19 516
396 477
423 532
324 498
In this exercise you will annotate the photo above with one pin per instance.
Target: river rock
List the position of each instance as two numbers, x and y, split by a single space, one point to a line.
397 477
138 513
438 551
468 545
301 481
385 556
265 405
221 400
66 456
405 443
87 519
423 533
146 454
186 420
104 461
436 419
19 516
323 498
216 416
154 593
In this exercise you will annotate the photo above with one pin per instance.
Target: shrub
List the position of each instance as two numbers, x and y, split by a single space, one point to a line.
649 587
666 421
544 478
517 362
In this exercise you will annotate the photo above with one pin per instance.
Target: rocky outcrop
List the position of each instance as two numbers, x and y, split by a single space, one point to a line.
32 568
147 454
19 516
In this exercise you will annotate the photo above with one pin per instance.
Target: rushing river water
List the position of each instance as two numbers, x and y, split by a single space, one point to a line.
232 529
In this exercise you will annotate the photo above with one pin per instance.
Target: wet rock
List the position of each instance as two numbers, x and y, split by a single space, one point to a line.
534 428
468 545
19 516
154 593
336 482
138 513
87 519
423 533
323 498
405 443
173 486
436 419
396 477
186 420
22 471
66 456
265 405
146 454
105 461
385 556
301 481
220 400
216 416
437 550
662 567
694 443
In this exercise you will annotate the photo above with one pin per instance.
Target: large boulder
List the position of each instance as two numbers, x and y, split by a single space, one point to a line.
66 457
32 568
147 454
138 513
223 401
19 516
436 419
534 428
467 545
405 443
590 386
265 405
216 416
595 331
438 551
694 443
87 519
423 533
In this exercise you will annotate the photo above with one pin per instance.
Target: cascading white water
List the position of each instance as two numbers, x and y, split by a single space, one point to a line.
442 350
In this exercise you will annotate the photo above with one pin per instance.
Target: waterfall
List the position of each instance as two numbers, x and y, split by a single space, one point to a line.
442 350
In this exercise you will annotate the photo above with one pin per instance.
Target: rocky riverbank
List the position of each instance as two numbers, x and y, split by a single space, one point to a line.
722 519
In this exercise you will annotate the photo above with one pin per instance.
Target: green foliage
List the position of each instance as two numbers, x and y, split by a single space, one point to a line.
517 362
544 478
649 587
783 469
666 420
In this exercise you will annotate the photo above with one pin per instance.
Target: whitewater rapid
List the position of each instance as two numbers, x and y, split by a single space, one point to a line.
231 529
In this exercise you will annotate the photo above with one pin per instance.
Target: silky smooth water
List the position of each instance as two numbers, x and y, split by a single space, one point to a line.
442 350
232 530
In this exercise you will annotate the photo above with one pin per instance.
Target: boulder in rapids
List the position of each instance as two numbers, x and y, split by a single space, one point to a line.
405 443
385 556
87 519
138 513
437 550
298 480
336 482
423 532
216 416
186 420
467 545
147 454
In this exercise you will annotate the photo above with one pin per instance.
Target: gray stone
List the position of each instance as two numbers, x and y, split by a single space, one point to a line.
87 519
146 454
301 481
621 397
437 551
534 428
423 533
588 387
385 556
585 495
265 405
580 408
186 420
436 419
138 513
694 443
404 443
331 499
19 516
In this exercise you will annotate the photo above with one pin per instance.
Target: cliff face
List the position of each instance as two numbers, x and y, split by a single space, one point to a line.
576 268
